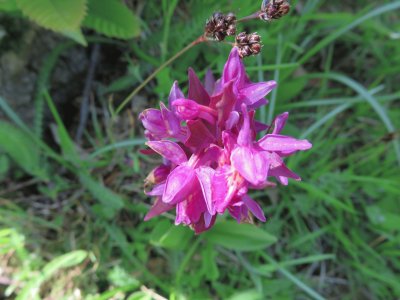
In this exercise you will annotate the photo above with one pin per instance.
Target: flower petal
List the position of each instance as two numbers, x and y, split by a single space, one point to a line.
224 187
251 164
170 150
152 120
232 120
186 109
209 82
181 182
171 121
279 122
196 90
234 68
174 94
283 143
157 190
199 136
158 208
191 210
254 207
205 176
254 92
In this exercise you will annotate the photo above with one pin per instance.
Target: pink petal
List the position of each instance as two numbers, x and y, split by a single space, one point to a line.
202 225
245 135
234 68
190 211
205 176
170 150
232 120
175 93
196 90
255 209
186 109
279 169
254 92
171 121
158 208
279 122
225 184
199 136
251 164
157 190
181 182
152 120
283 143
209 82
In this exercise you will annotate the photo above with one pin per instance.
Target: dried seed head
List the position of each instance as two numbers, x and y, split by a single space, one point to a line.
220 26
248 44
274 9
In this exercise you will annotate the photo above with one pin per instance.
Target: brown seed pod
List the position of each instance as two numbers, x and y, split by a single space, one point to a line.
248 44
220 26
274 9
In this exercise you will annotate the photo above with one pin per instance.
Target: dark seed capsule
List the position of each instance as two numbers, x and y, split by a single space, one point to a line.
219 26
248 44
273 10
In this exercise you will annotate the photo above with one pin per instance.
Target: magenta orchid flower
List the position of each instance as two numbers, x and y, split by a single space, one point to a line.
211 157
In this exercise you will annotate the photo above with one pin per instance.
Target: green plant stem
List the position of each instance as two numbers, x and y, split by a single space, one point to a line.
186 260
256 15
158 70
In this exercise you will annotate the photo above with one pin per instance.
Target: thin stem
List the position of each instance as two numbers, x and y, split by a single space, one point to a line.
160 68
186 260
256 15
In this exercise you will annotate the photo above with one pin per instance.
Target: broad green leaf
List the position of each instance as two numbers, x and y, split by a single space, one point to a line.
21 148
170 236
241 237
57 15
111 18
8 5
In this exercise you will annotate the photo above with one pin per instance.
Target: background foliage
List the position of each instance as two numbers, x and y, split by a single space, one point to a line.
71 210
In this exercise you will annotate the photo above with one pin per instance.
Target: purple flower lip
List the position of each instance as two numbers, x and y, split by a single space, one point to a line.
211 158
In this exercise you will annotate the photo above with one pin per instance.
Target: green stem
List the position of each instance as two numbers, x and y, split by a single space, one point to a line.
186 260
256 15
158 70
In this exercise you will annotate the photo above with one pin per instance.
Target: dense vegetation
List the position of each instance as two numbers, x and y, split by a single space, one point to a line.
72 205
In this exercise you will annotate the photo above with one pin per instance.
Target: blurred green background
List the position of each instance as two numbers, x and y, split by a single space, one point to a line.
71 192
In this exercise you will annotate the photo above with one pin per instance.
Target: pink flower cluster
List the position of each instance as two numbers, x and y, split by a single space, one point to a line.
211 157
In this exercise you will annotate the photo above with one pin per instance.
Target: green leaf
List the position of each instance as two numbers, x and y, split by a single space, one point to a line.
64 261
291 88
8 5
112 19
241 237
57 15
22 149
170 236
76 35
